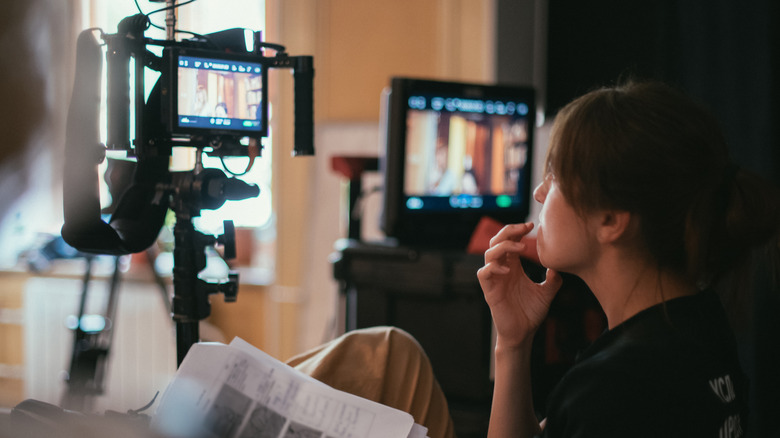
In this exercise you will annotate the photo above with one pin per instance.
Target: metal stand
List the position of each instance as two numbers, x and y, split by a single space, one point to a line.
194 191
92 339
91 345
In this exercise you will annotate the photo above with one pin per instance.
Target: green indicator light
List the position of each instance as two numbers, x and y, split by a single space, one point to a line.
503 201
247 123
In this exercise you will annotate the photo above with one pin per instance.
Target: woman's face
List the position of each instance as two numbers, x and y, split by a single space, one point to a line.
564 238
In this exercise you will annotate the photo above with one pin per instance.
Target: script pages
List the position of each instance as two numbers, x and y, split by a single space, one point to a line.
238 391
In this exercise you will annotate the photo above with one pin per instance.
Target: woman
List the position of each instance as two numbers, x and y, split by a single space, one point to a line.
641 201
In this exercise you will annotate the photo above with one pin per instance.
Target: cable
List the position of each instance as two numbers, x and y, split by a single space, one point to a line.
156 26
174 6
253 151
165 9
232 173
277 47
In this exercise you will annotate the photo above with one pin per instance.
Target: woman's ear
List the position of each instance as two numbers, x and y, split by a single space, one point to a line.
615 225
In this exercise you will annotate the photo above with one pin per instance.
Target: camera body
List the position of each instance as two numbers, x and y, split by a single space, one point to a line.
212 92
211 95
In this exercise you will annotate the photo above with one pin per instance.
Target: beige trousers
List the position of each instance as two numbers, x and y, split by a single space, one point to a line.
386 365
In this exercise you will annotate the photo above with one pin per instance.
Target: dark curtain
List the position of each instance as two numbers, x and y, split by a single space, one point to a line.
722 52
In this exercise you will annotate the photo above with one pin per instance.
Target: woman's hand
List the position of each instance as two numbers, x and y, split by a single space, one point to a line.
518 305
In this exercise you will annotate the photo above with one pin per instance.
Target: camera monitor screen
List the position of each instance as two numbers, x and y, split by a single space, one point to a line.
455 152
219 93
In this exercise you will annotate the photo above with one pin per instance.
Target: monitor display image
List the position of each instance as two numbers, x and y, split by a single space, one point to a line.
455 152
224 93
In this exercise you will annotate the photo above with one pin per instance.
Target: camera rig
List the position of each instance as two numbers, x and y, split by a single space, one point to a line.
180 111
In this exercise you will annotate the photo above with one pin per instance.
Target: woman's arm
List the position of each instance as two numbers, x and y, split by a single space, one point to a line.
518 307
512 412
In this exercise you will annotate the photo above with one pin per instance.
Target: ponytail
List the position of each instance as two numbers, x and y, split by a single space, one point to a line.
731 229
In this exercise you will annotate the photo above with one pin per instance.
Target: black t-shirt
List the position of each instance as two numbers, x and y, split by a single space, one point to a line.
670 371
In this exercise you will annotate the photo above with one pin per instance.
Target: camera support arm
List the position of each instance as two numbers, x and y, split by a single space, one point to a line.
141 211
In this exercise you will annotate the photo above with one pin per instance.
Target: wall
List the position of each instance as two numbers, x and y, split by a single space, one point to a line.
357 46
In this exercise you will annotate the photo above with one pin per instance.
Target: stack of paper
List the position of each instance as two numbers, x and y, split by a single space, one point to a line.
238 391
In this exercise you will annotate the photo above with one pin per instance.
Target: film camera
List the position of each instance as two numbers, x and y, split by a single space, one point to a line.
211 95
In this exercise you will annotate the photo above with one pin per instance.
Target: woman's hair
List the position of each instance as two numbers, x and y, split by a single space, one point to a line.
648 149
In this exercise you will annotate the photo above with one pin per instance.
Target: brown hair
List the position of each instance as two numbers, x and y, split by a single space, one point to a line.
648 149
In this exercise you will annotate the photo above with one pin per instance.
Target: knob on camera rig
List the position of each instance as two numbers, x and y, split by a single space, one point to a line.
179 112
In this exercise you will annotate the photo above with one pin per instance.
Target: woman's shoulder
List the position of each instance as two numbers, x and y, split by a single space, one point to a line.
677 341
683 330
674 361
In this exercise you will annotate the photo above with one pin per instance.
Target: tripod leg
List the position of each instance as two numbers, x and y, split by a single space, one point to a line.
75 394
187 334
91 346
158 280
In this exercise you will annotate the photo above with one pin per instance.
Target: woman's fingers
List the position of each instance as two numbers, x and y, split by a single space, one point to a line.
490 269
504 253
499 251
512 232
552 284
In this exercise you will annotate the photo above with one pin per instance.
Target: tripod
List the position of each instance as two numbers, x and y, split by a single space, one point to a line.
92 338
206 188
191 192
